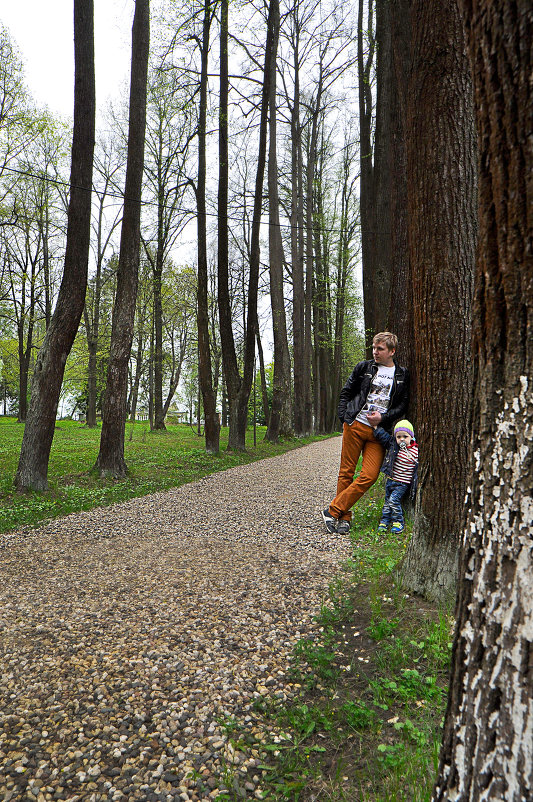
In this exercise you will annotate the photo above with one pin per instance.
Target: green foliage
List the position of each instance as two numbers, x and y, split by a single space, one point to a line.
358 716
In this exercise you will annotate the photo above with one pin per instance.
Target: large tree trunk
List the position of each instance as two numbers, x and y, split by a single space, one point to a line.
280 419
381 246
348 224
239 389
229 357
159 413
309 357
50 366
205 372
110 460
321 314
366 195
238 439
488 744
400 317
442 234
301 378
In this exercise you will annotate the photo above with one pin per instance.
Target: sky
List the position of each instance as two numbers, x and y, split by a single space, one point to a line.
43 32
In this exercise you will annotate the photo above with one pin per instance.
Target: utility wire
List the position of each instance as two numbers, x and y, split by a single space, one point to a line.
190 212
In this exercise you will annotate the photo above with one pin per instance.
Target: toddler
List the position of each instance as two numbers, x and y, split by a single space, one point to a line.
401 468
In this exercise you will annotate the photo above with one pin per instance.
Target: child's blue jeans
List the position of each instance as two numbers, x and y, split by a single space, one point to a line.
392 508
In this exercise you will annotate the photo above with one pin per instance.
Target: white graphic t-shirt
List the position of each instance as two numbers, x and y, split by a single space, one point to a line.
378 398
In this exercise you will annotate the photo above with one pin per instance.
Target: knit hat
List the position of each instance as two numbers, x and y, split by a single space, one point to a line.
404 426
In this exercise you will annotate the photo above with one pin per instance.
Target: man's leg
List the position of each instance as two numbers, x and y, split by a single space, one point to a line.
352 445
373 453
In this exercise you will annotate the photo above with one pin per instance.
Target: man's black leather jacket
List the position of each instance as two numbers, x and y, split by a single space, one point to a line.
353 394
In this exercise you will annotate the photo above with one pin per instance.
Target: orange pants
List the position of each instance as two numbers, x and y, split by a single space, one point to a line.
356 438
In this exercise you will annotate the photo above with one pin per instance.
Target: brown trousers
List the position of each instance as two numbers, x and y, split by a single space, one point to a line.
356 438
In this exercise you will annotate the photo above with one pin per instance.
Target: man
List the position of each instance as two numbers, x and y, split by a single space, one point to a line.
377 393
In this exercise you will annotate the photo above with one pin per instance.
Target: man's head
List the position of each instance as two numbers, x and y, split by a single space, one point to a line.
384 347
404 432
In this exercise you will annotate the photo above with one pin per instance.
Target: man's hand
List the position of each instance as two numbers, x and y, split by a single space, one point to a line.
374 418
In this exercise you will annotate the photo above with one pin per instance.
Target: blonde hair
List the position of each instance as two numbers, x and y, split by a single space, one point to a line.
390 340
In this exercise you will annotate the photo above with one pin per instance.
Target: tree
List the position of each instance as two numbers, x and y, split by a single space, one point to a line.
167 138
239 388
441 193
142 327
348 222
364 69
107 165
280 418
400 315
22 253
18 126
298 20
110 460
48 374
205 372
487 751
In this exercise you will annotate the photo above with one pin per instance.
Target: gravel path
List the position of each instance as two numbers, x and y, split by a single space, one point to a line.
130 635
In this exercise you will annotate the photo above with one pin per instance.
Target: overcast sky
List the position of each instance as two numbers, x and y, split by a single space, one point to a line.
43 32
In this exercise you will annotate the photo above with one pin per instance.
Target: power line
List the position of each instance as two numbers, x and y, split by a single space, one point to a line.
183 211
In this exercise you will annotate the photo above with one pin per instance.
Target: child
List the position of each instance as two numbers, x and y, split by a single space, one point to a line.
401 468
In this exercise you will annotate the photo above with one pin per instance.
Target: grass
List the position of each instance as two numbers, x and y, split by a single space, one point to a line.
156 461
368 724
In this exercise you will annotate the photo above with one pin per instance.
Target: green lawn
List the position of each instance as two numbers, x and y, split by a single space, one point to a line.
156 461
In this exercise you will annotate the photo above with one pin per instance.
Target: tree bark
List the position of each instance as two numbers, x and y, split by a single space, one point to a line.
487 750
229 357
264 392
301 378
50 366
205 372
364 67
280 418
110 460
400 316
238 440
93 329
442 234
239 389
159 414
380 238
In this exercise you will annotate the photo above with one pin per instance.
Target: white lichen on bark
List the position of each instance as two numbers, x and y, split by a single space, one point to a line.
493 748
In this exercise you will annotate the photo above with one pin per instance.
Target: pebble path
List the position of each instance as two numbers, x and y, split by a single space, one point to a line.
132 636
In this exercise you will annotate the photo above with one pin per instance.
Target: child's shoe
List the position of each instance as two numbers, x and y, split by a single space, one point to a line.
382 528
396 528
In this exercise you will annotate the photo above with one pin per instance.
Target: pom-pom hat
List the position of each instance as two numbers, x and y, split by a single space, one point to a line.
404 426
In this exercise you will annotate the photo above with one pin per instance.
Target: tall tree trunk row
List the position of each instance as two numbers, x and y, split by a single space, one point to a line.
442 237
110 460
32 469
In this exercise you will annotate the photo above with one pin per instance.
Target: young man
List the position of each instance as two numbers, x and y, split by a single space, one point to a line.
377 392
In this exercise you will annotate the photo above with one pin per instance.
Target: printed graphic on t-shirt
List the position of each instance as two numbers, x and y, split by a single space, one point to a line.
378 398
